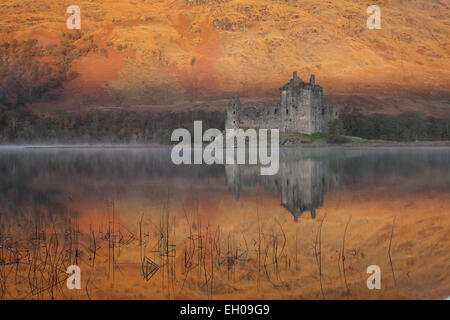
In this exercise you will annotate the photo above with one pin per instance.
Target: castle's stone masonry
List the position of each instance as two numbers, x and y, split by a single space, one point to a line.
302 109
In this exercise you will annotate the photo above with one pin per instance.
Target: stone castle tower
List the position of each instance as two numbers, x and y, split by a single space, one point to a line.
302 109
233 112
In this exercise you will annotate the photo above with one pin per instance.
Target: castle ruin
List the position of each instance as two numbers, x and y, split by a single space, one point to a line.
302 109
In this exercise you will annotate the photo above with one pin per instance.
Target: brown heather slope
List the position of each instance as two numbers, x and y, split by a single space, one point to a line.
186 53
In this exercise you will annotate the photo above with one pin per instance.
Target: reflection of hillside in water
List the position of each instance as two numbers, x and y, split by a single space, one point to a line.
30 177
302 181
109 212
50 178
306 175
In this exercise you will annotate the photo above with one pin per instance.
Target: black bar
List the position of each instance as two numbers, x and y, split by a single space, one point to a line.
278 309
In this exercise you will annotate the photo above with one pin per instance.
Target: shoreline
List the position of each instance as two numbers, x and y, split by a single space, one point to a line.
370 144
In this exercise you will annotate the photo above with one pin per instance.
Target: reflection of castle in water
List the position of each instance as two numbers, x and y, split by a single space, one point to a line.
302 183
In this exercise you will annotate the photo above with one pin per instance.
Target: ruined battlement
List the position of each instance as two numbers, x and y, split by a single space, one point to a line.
297 83
302 109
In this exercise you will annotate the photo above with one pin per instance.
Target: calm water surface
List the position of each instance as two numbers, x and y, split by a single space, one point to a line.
140 227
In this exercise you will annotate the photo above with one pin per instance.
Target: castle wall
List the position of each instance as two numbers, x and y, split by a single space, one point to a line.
232 114
295 102
302 109
266 117
319 111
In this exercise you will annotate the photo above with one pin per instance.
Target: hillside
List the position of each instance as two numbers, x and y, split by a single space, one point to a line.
189 53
